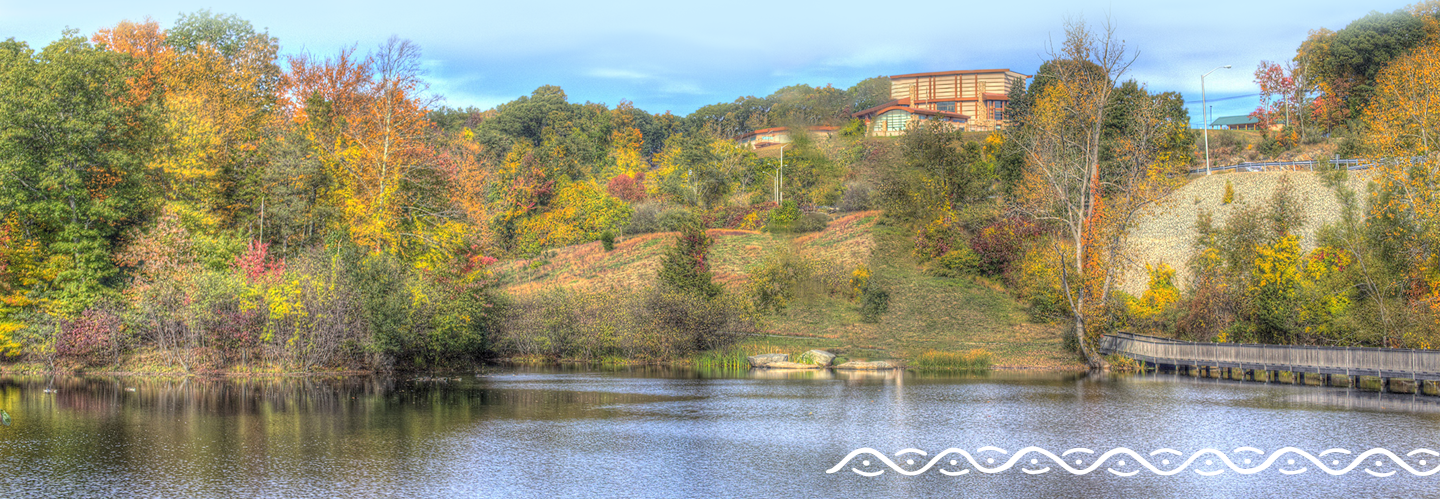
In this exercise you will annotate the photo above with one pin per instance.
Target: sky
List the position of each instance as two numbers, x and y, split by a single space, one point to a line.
676 56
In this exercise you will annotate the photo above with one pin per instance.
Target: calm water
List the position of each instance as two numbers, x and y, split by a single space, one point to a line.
660 433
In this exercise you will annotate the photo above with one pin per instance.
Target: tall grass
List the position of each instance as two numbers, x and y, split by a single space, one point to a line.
976 359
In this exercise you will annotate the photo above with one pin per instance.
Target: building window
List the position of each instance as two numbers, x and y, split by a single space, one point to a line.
948 107
999 107
894 120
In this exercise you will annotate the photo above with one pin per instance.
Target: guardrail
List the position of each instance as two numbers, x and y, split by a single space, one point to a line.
1349 164
1379 362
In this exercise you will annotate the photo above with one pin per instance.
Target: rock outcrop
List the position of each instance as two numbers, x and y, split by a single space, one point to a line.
876 365
765 359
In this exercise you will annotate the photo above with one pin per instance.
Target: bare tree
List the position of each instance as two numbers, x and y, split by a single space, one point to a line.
1064 186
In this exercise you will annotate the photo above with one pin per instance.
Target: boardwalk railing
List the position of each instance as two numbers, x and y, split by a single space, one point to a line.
1349 164
1380 362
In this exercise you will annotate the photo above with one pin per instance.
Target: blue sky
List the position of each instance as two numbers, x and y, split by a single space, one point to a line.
676 56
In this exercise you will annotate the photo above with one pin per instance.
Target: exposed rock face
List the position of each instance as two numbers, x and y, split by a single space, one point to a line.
817 357
764 359
792 365
879 364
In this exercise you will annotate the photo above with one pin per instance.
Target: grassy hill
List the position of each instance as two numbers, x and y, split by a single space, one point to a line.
925 312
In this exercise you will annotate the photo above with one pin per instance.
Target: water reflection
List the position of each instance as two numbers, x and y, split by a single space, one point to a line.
661 431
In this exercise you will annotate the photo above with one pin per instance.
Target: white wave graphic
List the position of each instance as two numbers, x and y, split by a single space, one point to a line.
1206 462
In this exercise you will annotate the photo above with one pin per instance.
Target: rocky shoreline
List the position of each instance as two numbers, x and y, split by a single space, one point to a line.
813 359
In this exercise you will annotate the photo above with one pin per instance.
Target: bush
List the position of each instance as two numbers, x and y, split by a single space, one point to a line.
1001 243
607 239
93 338
653 324
857 197
774 283
783 217
957 262
656 217
810 222
1229 193
737 217
874 302
627 188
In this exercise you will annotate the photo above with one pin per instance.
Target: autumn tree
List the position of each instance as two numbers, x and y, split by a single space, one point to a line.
1064 186
367 117
1404 122
1281 94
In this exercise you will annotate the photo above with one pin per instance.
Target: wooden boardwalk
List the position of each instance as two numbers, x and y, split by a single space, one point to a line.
1252 360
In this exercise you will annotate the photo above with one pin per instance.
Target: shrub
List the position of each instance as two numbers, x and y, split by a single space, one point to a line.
810 222
857 197
774 283
874 302
607 239
650 217
93 338
1001 243
1229 193
859 280
737 217
938 237
783 217
627 188
957 262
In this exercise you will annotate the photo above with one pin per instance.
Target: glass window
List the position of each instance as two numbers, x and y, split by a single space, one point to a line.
948 107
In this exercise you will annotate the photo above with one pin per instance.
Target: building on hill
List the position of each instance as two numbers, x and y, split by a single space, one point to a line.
972 100
1241 123
780 135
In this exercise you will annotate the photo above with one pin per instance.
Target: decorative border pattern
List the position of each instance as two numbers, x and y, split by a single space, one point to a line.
1126 462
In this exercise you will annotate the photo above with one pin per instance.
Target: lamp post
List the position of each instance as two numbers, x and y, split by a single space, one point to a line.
780 178
1204 116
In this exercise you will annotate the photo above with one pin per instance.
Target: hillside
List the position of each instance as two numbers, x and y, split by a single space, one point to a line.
925 312
1166 231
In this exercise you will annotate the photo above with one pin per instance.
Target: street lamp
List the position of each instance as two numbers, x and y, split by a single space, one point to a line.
780 178
1204 116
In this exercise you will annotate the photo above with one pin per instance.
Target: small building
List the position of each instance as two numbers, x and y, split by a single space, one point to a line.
780 135
969 99
1241 123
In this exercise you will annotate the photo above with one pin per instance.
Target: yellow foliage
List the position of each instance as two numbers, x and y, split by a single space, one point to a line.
859 280
1160 296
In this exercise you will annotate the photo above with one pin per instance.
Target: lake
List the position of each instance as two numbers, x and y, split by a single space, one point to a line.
670 432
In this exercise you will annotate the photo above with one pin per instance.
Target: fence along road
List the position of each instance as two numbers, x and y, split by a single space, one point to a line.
1384 363
1348 164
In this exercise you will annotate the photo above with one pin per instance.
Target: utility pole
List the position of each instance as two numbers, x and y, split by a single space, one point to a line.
1205 117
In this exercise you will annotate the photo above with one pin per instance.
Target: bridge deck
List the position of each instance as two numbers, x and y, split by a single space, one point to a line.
1379 362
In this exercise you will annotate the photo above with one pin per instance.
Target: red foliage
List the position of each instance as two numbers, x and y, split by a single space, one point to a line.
999 244
91 338
257 265
731 217
630 189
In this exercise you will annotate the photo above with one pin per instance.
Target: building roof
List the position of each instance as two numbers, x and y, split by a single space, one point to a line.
960 72
1235 120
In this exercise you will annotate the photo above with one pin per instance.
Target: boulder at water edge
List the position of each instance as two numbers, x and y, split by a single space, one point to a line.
817 357
766 358
792 365
879 364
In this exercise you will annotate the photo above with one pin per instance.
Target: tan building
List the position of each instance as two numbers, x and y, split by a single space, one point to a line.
780 135
970 100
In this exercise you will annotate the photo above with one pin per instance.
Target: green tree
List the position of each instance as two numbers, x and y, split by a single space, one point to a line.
685 267
68 167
